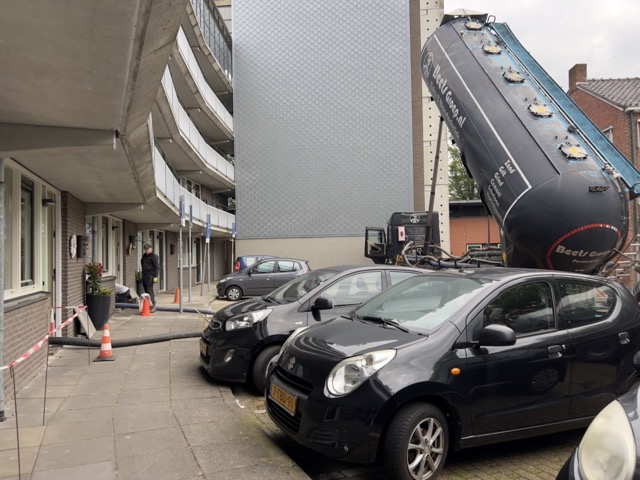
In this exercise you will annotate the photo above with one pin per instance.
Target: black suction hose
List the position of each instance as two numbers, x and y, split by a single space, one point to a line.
170 308
88 342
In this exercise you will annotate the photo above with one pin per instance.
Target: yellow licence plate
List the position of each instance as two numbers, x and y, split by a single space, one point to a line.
203 348
283 398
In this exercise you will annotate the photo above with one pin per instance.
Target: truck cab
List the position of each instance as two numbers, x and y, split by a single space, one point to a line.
384 245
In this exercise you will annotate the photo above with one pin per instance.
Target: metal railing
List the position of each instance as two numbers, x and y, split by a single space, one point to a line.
170 186
190 133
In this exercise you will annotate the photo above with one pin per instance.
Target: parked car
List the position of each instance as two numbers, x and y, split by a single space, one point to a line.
261 277
242 338
245 261
610 448
449 360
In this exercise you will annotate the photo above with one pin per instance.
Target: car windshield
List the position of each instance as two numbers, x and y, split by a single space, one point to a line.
299 286
423 302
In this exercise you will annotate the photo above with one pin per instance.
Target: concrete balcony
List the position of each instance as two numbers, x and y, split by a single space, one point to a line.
187 151
205 109
169 186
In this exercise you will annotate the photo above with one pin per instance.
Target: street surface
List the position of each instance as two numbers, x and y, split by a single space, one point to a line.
534 459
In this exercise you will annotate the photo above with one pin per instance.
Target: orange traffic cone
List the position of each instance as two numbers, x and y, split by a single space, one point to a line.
106 353
176 299
146 311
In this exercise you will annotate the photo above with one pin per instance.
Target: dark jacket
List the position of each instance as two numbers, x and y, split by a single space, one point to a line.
149 264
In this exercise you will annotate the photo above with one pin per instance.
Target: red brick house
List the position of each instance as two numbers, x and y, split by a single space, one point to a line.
613 105
471 226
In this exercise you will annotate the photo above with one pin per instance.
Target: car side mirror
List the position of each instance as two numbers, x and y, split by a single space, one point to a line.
497 336
322 303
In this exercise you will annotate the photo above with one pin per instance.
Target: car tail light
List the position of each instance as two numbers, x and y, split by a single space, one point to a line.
236 267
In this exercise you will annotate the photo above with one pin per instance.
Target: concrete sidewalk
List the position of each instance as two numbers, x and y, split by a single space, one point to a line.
150 414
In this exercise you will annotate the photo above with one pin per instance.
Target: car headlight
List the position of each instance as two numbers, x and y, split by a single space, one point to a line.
247 320
222 280
608 449
349 374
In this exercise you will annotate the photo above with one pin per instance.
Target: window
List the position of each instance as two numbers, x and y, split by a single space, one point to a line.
28 232
105 241
608 132
102 237
265 267
288 266
354 289
10 219
526 309
585 303
479 246
192 187
397 277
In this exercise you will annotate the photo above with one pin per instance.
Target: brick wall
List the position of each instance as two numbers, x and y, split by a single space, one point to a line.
24 327
72 278
605 115
466 230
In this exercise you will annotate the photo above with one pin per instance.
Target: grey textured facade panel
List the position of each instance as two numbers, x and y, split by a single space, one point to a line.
322 113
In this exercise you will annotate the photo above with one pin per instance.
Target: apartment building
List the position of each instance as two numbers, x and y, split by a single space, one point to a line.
116 130
335 129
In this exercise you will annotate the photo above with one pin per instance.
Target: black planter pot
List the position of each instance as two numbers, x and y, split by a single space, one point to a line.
98 307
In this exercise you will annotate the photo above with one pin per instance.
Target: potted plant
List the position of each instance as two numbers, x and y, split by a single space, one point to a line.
98 298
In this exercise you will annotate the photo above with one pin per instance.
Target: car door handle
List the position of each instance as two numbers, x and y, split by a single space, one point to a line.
623 338
555 351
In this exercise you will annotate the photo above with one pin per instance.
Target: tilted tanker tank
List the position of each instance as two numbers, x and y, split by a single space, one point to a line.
548 176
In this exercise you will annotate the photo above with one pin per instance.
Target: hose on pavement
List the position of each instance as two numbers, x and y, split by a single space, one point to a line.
170 308
89 342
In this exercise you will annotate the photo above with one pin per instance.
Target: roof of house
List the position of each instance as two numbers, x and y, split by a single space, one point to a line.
621 92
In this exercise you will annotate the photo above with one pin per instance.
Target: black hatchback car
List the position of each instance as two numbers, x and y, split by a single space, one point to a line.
449 360
242 338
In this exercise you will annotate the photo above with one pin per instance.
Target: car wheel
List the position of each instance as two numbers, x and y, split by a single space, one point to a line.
233 293
259 370
416 443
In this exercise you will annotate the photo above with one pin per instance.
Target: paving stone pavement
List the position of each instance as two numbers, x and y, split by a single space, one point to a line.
152 413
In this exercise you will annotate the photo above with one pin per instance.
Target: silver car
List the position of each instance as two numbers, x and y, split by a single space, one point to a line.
261 277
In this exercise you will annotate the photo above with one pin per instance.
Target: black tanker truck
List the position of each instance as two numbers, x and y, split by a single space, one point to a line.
557 187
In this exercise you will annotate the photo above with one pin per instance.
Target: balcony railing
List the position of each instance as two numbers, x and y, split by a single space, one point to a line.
207 94
215 33
170 186
191 134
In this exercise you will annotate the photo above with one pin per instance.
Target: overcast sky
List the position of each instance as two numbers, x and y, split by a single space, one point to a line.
560 33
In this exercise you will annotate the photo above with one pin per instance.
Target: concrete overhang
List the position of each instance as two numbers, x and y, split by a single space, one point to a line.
78 83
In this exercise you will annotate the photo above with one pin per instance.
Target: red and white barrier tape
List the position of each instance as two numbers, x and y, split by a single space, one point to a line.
37 346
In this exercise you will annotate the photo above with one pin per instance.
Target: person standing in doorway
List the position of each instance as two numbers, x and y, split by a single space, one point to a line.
150 268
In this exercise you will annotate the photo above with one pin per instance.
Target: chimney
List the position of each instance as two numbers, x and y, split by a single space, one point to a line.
577 74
